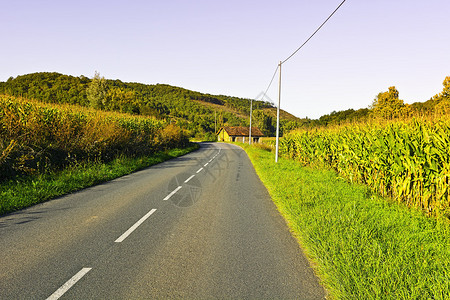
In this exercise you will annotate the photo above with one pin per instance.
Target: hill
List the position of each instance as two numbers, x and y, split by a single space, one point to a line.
198 113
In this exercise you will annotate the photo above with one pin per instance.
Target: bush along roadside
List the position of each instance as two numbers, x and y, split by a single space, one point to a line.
37 138
360 245
26 191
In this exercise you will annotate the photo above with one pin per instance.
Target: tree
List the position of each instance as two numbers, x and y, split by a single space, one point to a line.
445 94
446 91
263 122
442 99
387 105
96 92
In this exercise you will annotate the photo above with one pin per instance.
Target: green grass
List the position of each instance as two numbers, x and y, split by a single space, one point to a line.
360 245
27 191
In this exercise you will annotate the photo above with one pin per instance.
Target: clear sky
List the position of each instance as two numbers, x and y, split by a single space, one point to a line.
233 47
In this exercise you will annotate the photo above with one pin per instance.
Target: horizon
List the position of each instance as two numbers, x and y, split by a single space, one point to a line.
264 99
233 48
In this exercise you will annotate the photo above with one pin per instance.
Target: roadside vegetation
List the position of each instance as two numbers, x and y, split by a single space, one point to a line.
23 192
405 160
367 194
40 142
37 137
362 246
398 152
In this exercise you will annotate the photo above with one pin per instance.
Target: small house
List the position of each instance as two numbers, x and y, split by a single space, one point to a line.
238 134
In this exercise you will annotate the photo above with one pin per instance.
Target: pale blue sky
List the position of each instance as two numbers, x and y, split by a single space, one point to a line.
233 47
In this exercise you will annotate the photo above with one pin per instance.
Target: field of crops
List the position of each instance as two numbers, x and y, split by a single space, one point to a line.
408 161
37 137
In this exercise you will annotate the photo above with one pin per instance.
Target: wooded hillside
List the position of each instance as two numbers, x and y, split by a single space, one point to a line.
200 114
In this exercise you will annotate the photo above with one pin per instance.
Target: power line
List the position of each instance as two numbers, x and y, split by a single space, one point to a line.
282 62
279 84
312 34
270 83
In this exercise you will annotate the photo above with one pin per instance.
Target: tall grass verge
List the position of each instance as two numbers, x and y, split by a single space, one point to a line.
27 191
361 246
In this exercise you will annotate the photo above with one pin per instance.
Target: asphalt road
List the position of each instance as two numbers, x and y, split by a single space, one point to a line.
201 226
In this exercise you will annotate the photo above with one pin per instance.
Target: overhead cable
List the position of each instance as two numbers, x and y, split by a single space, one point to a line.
270 83
312 34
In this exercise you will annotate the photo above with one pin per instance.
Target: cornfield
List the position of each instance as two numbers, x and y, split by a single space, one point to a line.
37 137
408 161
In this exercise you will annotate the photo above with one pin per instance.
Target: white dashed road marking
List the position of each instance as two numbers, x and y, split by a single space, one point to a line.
71 282
133 228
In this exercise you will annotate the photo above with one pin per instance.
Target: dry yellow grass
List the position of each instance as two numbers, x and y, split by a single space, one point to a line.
37 137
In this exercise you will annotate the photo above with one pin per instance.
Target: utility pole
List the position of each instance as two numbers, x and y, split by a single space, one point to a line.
250 131
215 122
278 114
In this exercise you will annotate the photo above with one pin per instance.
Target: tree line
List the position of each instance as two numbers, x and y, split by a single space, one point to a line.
196 112
388 105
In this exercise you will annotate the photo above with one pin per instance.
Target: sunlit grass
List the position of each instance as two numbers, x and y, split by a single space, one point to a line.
26 191
406 160
361 246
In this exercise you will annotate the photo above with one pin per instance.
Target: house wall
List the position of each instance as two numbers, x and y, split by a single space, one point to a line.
223 136
243 139
236 138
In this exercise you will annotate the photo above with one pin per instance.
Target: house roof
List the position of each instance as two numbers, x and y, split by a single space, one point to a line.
241 131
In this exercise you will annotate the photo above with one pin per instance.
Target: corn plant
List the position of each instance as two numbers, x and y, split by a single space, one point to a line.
407 160
37 137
